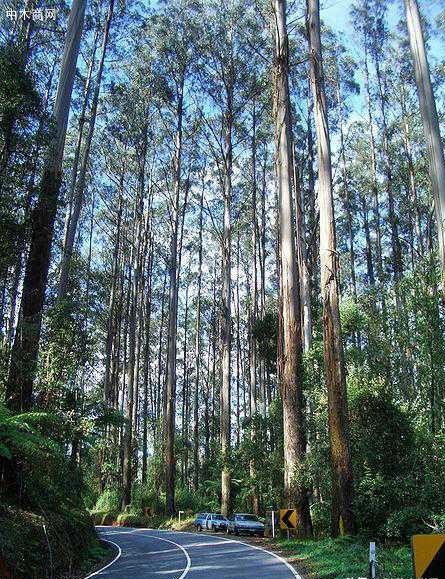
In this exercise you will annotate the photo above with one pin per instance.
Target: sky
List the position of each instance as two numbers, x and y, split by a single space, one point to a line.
336 14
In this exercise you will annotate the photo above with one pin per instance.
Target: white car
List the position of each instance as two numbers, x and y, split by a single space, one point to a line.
215 522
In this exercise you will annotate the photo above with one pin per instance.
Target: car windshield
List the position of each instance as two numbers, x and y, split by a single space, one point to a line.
247 518
218 517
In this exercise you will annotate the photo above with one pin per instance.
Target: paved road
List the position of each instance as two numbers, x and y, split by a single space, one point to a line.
154 554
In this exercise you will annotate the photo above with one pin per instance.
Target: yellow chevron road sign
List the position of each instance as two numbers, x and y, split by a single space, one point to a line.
288 519
428 556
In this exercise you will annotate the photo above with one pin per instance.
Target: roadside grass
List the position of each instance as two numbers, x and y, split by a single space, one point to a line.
348 557
137 519
98 556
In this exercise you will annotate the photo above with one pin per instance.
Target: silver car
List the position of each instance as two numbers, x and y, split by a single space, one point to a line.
245 523
200 521
215 522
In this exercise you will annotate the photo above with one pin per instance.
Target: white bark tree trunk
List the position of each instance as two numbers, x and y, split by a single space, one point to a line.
290 356
430 124
342 517
26 343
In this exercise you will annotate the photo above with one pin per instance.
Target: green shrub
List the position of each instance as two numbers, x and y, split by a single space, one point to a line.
133 519
404 523
108 502
31 545
44 529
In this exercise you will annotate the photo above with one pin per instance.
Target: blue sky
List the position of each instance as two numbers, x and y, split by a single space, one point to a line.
336 14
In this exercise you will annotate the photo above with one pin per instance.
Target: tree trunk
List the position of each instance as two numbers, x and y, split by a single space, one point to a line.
131 369
430 124
24 354
197 353
79 188
226 317
170 399
342 516
346 193
253 318
290 340
303 268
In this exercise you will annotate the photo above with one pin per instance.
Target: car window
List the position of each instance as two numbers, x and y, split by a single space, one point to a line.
247 518
218 517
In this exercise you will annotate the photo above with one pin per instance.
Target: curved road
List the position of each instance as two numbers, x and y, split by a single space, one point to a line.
155 554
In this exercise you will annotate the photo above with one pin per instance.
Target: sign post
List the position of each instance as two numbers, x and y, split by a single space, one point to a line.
180 513
372 561
273 524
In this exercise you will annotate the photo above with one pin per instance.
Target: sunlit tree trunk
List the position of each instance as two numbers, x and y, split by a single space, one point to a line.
170 397
26 343
430 123
198 343
80 182
342 516
291 368
303 267
226 316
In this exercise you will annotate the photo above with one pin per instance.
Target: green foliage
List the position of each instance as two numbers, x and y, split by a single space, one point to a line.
36 544
43 525
352 317
265 332
108 502
405 522
348 557
18 97
133 519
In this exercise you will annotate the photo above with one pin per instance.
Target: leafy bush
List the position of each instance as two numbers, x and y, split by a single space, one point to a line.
133 519
108 502
405 523
44 528
31 545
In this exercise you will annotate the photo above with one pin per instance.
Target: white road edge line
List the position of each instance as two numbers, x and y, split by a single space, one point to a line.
109 564
288 565
187 556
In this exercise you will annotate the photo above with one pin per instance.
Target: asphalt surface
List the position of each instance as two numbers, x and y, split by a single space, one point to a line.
155 554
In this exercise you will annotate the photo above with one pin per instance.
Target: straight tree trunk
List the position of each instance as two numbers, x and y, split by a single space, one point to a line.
303 267
290 340
147 363
430 124
396 258
253 317
131 370
79 189
226 316
24 354
197 353
80 133
342 516
346 192
375 189
170 398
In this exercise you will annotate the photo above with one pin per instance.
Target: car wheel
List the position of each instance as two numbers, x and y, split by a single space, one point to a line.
198 528
235 530
228 531
212 528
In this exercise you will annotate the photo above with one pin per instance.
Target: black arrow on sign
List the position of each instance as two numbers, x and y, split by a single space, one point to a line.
436 569
285 520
